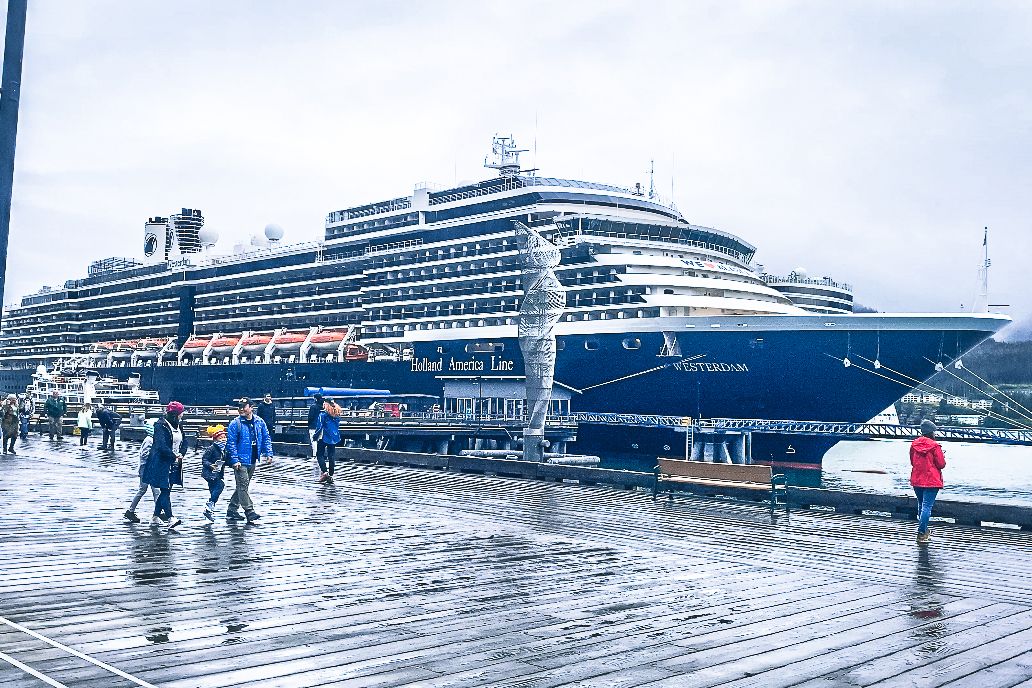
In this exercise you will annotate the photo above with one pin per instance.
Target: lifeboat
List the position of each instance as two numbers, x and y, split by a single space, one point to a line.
195 347
101 348
123 350
147 349
290 342
255 344
327 340
224 345
353 352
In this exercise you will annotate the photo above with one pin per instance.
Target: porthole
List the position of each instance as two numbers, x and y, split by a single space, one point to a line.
591 344
632 343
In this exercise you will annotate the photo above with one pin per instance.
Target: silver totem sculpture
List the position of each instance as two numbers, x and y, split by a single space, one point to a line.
544 300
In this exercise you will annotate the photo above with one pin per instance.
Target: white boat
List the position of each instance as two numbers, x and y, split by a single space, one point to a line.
81 385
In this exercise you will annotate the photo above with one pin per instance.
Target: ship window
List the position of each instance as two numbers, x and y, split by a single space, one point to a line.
637 253
485 347
668 291
591 344
632 343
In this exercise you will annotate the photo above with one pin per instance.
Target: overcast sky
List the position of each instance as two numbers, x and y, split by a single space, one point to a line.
867 141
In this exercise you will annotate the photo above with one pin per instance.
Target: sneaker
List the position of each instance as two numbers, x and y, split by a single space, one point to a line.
155 521
252 517
131 516
13 452
329 480
323 477
209 506
233 515
209 514
173 523
922 538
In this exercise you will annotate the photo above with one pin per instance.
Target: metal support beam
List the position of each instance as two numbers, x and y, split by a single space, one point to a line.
10 95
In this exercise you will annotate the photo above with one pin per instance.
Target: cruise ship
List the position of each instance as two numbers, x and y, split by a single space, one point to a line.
420 294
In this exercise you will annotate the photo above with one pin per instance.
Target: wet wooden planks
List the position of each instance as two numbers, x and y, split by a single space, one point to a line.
400 576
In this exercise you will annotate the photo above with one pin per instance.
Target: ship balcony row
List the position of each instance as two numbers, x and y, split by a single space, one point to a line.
458 269
449 309
440 253
270 320
442 291
271 307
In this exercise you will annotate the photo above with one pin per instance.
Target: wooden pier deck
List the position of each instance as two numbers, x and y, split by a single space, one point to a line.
411 577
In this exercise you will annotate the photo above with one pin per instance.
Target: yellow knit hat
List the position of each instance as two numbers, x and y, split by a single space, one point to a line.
215 429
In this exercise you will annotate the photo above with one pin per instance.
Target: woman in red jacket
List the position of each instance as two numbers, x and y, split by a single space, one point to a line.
927 461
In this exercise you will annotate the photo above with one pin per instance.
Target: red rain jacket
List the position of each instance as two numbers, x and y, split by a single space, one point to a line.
927 460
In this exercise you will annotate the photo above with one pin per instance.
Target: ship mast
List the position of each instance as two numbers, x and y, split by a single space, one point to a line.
505 157
10 90
981 304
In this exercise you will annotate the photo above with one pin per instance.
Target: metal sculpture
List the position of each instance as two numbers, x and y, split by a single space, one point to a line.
544 300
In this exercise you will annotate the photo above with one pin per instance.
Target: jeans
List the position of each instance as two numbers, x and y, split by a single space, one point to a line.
925 500
84 434
325 456
109 438
25 427
241 496
9 443
215 488
55 427
142 491
163 505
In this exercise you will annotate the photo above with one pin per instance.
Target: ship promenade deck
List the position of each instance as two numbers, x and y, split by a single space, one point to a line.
404 577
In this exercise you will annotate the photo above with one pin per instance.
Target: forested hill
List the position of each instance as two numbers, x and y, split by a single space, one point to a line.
1001 363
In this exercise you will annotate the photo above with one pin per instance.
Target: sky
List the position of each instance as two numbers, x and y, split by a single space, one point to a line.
871 142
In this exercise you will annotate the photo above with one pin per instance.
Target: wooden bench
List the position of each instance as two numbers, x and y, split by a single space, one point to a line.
727 476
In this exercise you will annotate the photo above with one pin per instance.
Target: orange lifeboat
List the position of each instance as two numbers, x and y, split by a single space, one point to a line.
123 349
255 343
224 345
101 347
196 346
327 340
353 352
290 341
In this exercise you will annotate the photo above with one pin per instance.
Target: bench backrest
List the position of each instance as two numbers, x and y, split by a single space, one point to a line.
716 471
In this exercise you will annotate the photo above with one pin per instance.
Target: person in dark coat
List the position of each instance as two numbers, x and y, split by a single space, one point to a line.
267 412
313 422
9 422
109 421
927 461
165 465
213 466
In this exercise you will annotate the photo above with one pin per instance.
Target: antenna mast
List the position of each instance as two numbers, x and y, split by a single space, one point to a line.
982 301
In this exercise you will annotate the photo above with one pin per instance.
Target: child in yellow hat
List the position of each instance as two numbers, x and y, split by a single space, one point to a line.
213 463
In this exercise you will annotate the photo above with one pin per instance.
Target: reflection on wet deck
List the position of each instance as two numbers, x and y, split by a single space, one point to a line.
397 576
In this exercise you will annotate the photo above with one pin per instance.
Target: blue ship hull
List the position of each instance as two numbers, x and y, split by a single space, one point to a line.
733 373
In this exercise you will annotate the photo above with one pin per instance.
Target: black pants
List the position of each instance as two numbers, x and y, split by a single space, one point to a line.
9 443
84 433
325 457
109 438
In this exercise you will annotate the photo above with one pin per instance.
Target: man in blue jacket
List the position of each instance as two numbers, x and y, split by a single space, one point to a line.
247 441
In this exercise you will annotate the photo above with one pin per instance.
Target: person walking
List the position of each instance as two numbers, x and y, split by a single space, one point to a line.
328 432
165 464
927 461
55 409
109 420
213 464
247 440
313 422
145 449
9 422
25 411
267 411
85 423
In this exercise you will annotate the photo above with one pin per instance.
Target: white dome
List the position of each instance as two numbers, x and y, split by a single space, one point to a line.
208 236
801 272
259 240
273 232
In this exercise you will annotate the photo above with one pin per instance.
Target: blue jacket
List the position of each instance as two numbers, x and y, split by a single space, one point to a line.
330 427
162 469
238 440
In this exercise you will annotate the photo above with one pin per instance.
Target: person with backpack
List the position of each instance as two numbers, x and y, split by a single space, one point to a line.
109 420
927 461
145 450
327 431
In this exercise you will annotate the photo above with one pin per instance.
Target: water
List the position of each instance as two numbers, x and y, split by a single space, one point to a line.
997 474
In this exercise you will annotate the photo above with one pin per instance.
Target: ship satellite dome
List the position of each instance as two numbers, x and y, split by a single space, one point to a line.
273 232
259 240
41 369
208 236
801 272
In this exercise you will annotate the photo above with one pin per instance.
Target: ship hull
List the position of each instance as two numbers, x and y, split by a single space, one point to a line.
761 369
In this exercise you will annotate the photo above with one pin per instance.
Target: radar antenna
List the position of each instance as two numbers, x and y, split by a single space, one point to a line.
505 157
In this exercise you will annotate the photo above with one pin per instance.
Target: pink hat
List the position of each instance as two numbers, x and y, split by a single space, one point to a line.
174 407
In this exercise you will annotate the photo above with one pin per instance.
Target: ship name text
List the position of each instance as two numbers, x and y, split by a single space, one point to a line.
700 367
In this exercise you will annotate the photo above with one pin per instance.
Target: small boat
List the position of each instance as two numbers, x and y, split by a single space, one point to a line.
255 344
147 349
353 352
290 342
80 385
327 340
224 346
121 351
